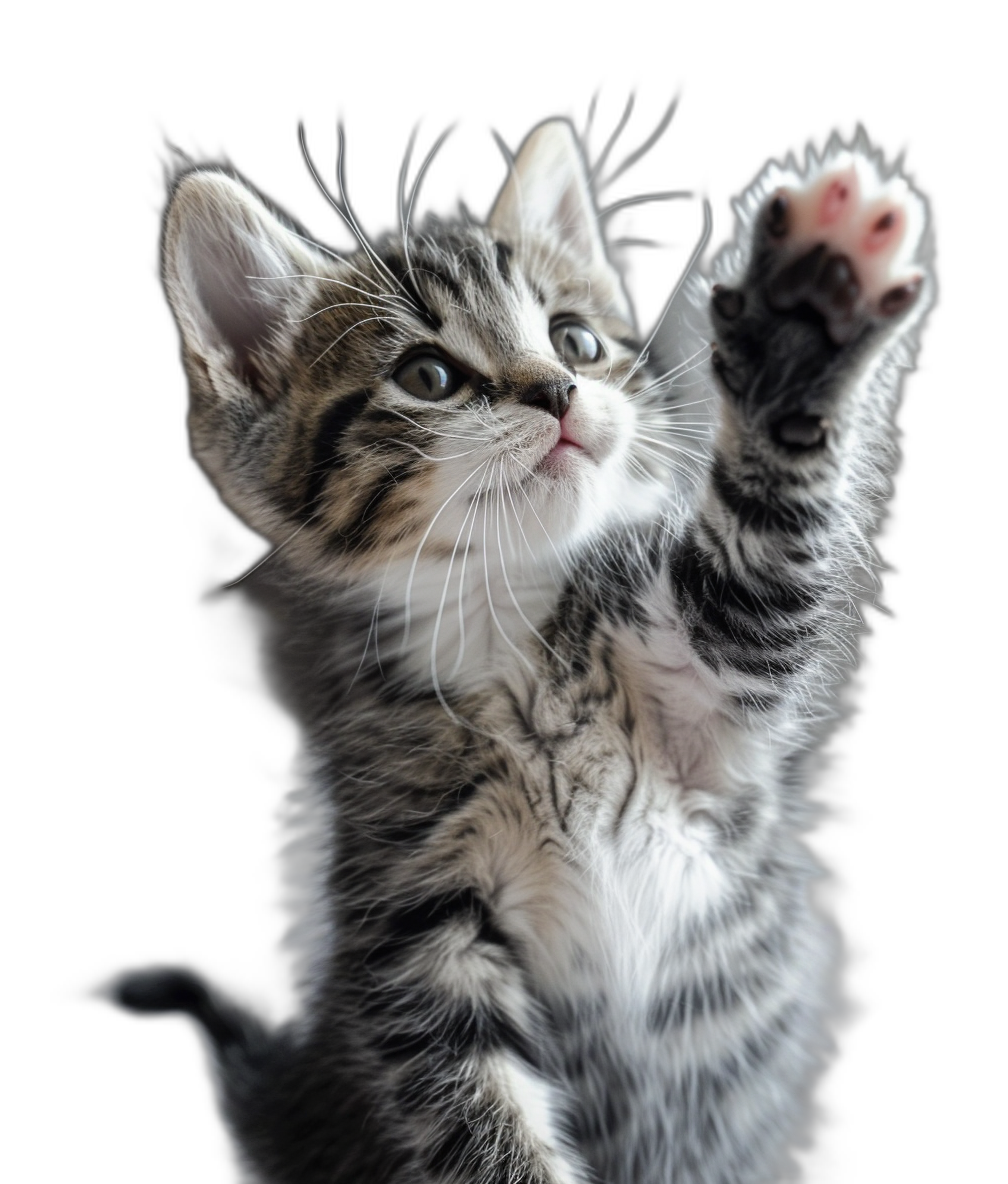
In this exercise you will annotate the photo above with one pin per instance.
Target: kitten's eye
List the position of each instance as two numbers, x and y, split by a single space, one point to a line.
575 343
428 376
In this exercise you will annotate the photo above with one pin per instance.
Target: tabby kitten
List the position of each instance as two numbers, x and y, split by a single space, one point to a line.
562 612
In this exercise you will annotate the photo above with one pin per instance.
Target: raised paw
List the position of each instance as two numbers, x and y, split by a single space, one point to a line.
832 261
839 253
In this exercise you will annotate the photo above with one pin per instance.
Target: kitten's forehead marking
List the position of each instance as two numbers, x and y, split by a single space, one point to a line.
488 313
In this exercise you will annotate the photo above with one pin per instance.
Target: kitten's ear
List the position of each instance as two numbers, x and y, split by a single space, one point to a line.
233 272
547 192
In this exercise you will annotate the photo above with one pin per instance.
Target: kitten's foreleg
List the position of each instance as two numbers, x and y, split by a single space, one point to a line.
444 1021
810 334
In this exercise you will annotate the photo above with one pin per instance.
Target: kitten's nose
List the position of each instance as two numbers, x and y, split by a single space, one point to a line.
554 395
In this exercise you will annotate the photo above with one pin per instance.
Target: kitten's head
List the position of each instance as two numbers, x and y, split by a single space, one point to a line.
408 397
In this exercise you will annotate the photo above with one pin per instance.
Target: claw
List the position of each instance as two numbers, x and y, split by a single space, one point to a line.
778 216
899 299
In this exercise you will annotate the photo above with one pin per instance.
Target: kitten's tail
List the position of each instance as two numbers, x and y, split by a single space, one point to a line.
233 1032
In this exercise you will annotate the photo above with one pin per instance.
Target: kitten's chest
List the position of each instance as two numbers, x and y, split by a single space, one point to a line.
624 773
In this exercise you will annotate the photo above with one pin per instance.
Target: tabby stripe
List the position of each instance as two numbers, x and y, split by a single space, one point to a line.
360 531
757 1052
697 1001
503 253
407 279
412 926
325 455
438 1029
725 602
767 511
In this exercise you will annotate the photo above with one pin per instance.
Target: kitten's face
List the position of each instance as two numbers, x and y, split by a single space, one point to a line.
500 409
473 392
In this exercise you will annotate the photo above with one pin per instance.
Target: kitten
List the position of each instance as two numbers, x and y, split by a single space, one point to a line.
561 635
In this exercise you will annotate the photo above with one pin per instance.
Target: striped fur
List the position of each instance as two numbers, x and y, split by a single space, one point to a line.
559 701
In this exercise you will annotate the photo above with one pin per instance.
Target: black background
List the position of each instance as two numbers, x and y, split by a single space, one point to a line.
159 760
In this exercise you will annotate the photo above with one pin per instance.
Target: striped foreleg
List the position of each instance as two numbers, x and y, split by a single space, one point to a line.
444 1020
808 344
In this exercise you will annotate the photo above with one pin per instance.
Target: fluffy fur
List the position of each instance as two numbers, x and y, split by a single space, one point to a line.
561 641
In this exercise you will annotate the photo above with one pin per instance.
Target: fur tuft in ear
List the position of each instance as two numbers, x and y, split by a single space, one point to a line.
233 272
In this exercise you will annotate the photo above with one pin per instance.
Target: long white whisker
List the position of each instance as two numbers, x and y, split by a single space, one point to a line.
403 174
541 526
371 293
698 250
355 325
462 572
331 308
681 367
440 613
426 455
433 431
372 630
507 583
490 603
342 208
515 180
416 557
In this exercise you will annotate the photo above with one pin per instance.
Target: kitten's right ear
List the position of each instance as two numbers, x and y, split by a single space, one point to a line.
234 274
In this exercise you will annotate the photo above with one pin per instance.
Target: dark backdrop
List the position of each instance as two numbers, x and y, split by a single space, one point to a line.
167 759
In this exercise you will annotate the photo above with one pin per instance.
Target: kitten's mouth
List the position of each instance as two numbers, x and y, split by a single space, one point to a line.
567 445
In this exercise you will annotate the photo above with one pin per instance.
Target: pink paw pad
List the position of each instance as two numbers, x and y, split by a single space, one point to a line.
844 250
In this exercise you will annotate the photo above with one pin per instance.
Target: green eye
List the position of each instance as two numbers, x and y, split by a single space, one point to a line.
575 343
428 377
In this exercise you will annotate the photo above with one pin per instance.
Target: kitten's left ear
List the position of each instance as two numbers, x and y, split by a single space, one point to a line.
547 192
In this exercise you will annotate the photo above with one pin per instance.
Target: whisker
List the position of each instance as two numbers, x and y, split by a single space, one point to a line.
427 455
343 208
333 344
698 250
676 371
462 571
416 557
418 181
490 603
427 428
642 199
540 521
644 148
507 583
599 164
372 629
440 613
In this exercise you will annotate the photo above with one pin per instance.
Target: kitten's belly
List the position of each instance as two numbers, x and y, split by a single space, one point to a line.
624 894
679 976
